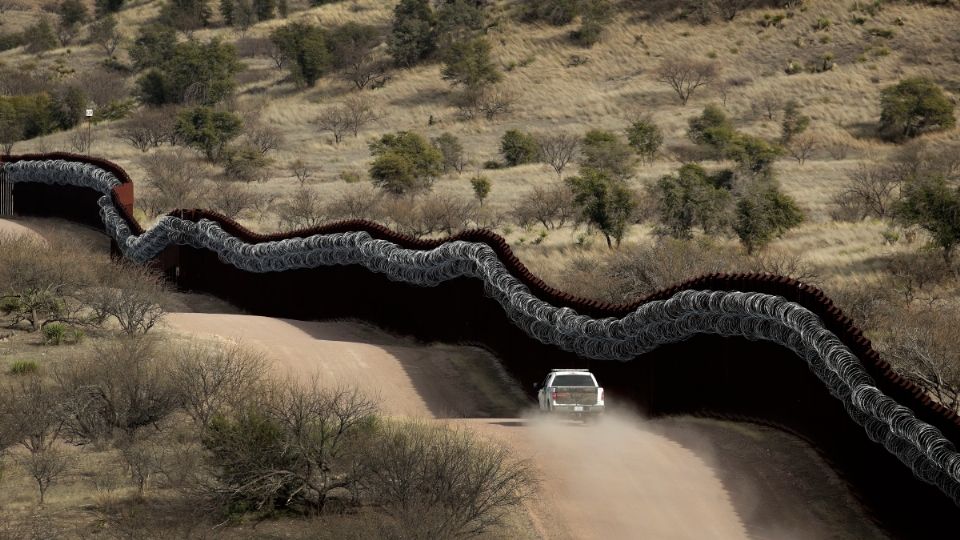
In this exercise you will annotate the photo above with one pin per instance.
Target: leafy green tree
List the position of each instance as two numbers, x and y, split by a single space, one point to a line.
596 16
186 15
153 46
208 130
752 154
555 12
645 138
468 63
108 6
933 205
459 20
605 203
519 147
712 128
266 9
72 13
692 198
33 113
404 162
413 36
228 10
913 107
352 47
196 73
68 106
305 47
794 122
607 153
481 187
764 214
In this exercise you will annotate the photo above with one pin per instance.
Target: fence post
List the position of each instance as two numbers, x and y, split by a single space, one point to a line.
6 195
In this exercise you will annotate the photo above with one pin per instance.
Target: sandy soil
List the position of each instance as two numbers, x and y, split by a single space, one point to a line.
623 478
14 228
57 230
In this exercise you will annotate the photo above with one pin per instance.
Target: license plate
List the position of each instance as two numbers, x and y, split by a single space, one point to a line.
577 408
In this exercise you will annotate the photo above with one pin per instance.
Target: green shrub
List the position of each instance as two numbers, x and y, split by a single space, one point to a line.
912 107
555 12
9 305
197 72
304 47
413 36
55 333
404 162
645 138
481 187
518 147
208 130
492 164
822 24
23 367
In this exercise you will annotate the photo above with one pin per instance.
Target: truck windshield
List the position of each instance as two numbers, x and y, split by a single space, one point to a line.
573 380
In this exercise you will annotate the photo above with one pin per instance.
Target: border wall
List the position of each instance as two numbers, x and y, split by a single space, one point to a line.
709 375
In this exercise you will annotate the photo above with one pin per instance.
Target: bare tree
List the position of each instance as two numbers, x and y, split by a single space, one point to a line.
303 209
558 149
428 215
42 281
104 86
684 75
233 199
871 189
150 128
123 385
418 473
81 139
264 138
336 120
175 182
278 55
104 33
303 451
360 202
924 349
553 206
494 102
359 112
769 103
143 459
129 293
301 171
32 416
209 378
802 146
46 466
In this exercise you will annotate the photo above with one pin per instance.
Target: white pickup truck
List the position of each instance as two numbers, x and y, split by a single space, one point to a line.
570 391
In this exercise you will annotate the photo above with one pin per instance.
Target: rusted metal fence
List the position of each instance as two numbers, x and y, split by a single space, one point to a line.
6 196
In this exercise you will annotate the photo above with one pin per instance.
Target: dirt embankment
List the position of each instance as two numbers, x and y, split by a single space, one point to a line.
624 478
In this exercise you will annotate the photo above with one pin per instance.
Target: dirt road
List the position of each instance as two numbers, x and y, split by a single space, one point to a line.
624 478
